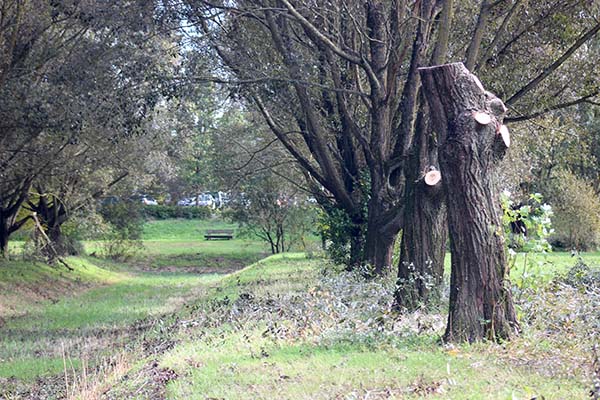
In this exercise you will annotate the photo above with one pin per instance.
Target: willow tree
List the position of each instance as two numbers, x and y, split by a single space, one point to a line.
76 78
469 122
337 83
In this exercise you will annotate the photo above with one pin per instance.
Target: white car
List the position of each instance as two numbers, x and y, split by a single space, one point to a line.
203 200
149 201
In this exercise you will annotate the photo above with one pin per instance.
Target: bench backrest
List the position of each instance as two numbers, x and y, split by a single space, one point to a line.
219 231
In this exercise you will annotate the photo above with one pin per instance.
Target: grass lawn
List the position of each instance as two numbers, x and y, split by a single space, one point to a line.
179 244
53 320
87 324
181 320
247 361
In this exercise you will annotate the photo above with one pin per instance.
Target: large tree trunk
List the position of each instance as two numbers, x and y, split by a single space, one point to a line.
421 266
382 229
9 210
468 120
52 215
379 248
8 225
357 244
423 247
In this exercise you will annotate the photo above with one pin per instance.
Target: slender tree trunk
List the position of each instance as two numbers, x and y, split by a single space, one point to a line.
8 225
468 120
424 235
4 235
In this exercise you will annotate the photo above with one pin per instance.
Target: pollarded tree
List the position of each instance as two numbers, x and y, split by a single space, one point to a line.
472 137
337 84
349 116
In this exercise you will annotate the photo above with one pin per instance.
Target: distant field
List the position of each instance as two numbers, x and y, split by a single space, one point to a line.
182 229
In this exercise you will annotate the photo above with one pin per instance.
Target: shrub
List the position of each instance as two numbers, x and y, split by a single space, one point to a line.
582 276
123 239
337 230
527 225
577 213
170 212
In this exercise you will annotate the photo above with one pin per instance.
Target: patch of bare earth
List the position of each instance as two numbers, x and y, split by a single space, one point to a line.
149 382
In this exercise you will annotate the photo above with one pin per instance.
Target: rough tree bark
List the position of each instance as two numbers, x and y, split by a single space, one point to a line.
53 214
423 247
8 225
379 244
5 224
480 303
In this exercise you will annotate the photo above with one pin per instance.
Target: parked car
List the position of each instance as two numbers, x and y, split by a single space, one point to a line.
224 199
203 200
149 201
206 200
184 202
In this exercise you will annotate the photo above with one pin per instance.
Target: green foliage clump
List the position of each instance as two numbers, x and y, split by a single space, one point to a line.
174 212
343 234
577 213
123 239
581 275
527 225
336 229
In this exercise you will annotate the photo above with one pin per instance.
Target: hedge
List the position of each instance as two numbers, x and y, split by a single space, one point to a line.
168 212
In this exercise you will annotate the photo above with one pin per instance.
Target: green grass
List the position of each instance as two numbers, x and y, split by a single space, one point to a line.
51 313
246 364
85 322
543 267
24 285
180 243
182 229
52 317
31 368
132 298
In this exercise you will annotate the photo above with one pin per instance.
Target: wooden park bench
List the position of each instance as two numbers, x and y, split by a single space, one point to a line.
225 234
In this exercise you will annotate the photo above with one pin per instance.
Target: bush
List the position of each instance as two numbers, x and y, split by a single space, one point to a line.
582 276
576 213
170 212
527 225
123 238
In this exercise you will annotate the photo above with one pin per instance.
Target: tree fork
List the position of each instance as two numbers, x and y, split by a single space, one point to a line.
481 305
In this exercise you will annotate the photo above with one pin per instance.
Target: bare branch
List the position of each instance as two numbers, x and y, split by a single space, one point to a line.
324 39
523 117
475 43
554 66
240 82
499 32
